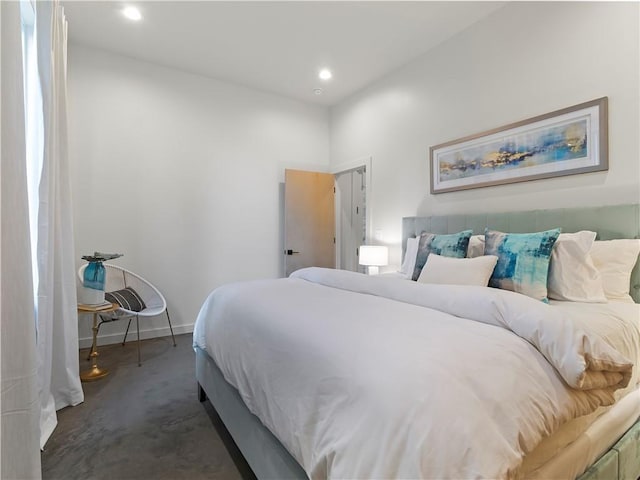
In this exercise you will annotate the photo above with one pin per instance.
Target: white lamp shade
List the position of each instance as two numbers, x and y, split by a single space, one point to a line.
374 255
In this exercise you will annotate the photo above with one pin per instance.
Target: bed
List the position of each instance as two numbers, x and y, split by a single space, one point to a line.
347 396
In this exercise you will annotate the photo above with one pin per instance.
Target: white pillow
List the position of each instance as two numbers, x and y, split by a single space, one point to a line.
572 273
458 271
476 246
615 260
410 254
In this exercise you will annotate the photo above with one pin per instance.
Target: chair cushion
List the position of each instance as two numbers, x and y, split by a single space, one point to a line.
127 298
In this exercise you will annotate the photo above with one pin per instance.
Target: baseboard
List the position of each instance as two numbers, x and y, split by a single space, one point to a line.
144 334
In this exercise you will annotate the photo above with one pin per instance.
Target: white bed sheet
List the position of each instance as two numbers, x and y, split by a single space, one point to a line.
584 449
295 396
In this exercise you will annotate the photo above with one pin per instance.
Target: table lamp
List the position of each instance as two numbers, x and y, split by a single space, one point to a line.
373 256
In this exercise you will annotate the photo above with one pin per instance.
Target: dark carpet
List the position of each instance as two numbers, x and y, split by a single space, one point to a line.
140 422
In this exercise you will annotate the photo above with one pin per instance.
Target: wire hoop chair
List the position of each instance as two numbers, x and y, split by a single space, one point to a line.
118 278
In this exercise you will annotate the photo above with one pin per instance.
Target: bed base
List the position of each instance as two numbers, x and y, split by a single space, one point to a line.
622 462
263 452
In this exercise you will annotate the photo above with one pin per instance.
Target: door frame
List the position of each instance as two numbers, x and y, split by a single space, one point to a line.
365 162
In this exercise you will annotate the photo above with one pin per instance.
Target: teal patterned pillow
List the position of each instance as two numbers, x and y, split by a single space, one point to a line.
523 261
453 245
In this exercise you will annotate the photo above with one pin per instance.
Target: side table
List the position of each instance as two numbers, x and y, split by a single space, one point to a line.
95 373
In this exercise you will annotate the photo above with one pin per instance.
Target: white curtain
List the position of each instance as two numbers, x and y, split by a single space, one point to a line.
20 406
57 318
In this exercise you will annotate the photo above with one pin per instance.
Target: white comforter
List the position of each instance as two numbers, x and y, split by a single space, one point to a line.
364 377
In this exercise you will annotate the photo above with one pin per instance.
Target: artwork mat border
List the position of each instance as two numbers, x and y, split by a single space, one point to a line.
601 151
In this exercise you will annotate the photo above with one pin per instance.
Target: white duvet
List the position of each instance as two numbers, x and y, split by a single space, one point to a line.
364 377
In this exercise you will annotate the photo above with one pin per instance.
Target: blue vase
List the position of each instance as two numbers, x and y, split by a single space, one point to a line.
94 276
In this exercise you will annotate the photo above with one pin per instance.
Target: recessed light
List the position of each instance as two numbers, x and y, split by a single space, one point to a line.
132 13
325 74
317 91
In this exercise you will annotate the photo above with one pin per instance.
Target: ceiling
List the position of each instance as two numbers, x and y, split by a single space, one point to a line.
277 47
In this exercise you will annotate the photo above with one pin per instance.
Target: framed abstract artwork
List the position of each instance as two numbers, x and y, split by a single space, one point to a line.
565 142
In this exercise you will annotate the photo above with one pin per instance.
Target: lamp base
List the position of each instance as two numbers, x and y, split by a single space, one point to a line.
373 270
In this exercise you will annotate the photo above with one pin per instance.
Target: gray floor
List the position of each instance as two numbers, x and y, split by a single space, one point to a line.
139 422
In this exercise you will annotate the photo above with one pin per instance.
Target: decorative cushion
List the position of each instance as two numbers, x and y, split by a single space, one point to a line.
615 260
476 246
409 262
453 245
572 274
458 271
127 298
523 260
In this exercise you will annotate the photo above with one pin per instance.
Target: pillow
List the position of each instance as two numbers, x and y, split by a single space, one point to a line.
453 245
409 262
476 246
572 274
523 261
458 271
615 260
127 298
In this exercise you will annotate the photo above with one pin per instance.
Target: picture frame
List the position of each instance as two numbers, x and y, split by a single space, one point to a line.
569 141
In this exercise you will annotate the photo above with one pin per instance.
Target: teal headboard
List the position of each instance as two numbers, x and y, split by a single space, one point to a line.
617 221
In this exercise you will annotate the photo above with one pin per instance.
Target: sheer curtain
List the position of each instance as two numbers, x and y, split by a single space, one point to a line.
57 318
20 406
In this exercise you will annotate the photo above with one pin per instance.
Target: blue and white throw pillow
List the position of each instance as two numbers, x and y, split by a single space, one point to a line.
452 245
523 261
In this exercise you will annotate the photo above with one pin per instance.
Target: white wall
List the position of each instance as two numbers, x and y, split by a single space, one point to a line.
524 60
182 174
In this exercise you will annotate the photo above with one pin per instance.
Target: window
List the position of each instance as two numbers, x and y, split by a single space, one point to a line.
34 127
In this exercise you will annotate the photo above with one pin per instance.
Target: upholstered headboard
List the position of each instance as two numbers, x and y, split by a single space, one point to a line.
617 221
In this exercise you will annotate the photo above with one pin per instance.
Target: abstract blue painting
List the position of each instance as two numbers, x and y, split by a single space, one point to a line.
565 142
557 143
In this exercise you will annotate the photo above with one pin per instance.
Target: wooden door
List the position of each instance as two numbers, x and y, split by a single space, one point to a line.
309 220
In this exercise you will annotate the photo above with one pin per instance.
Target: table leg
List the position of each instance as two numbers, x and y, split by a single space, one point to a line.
95 373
